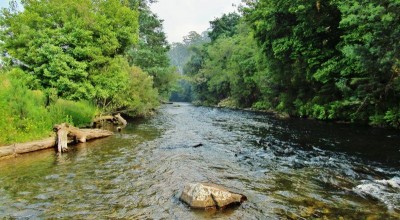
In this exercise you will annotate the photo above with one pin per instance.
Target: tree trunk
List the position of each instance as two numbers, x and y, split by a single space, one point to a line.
67 133
121 120
115 119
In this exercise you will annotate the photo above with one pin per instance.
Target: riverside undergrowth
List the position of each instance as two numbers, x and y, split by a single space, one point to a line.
30 114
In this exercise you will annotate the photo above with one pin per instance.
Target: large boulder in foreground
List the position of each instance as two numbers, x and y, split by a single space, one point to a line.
206 195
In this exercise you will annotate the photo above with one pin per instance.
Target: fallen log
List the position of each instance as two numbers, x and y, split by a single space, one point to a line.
66 133
22 148
120 119
74 135
115 119
103 118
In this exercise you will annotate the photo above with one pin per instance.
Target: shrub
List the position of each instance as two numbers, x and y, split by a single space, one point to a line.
76 113
24 116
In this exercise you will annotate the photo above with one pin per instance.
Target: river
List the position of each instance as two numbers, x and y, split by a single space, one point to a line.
288 169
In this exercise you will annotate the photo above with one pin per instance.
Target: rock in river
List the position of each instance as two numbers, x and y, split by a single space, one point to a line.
205 195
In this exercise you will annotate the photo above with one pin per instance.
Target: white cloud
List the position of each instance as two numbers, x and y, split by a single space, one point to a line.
182 16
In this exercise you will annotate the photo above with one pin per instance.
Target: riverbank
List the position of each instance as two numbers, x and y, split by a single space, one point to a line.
14 150
284 115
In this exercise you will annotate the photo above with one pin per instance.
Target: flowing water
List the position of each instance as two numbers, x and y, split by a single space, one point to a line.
288 169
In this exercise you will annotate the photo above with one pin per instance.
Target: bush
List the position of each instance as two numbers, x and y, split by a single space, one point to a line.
392 117
260 105
24 115
76 113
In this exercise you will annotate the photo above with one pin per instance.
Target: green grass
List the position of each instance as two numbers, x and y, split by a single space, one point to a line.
24 115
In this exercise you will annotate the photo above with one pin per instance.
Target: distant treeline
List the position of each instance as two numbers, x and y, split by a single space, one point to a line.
329 60
68 60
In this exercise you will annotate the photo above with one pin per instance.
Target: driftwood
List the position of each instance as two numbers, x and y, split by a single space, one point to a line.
68 134
15 149
103 118
120 119
115 119
77 135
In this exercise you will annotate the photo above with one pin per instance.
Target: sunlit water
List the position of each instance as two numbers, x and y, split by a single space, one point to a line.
288 169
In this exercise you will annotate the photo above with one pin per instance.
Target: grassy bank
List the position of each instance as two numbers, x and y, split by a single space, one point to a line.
27 115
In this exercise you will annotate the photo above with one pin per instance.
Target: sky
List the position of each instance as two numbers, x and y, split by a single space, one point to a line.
4 3
182 16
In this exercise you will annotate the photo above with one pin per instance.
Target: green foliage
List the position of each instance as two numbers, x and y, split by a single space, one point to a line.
65 54
151 54
333 59
24 113
112 81
261 105
182 92
140 97
62 43
180 53
21 110
76 113
124 88
370 45
329 60
80 50
224 70
392 117
225 26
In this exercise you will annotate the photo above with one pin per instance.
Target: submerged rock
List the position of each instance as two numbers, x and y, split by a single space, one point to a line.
205 195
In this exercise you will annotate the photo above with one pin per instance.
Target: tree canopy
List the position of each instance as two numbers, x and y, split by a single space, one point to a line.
80 50
330 60
151 53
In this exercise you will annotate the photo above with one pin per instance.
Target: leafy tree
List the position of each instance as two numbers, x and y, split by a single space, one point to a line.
151 54
227 71
193 69
297 38
330 59
141 98
64 44
180 54
370 62
77 49
224 26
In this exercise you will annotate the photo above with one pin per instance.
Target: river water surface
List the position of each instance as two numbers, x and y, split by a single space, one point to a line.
288 169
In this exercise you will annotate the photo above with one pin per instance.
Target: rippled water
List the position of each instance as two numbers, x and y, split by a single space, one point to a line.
288 169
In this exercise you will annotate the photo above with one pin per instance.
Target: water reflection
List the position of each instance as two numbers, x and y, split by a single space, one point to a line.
290 169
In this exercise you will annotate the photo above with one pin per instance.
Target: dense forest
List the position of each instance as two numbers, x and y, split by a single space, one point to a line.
329 60
69 60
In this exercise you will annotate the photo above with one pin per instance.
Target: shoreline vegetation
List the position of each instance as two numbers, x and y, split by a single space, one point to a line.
326 60
70 61
29 115
65 134
16 149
